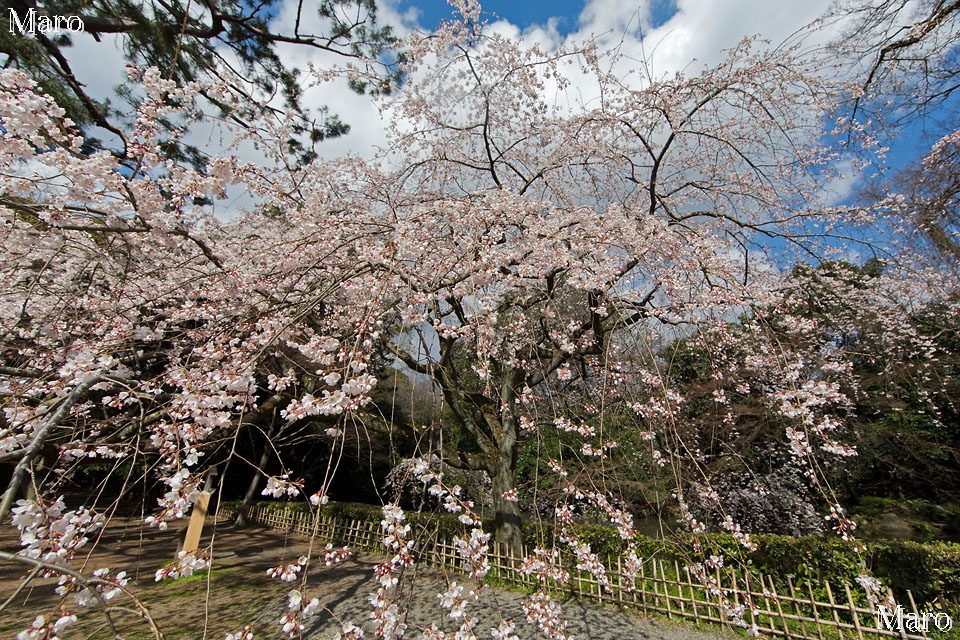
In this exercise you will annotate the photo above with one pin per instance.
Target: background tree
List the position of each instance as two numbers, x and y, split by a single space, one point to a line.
524 257
882 342
229 41
520 236
906 54
904 61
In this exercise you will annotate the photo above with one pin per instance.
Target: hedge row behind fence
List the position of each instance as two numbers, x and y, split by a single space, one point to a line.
929 570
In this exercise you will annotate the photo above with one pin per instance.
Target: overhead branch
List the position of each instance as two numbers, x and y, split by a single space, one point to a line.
31 451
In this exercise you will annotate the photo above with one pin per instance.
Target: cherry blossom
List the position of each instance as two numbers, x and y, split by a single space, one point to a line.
520 243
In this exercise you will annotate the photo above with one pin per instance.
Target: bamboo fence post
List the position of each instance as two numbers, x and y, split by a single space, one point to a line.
768 610
643 587
683 606
853 611
734 588
753 616
693 597
776 599
666 590
916 612
656 587
813 604
796 607
833 608
619 581
721 610
903 633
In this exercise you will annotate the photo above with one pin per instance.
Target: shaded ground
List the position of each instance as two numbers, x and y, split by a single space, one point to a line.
238 592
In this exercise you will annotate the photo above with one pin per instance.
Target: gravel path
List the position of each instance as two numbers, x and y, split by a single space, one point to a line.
349 584
239 592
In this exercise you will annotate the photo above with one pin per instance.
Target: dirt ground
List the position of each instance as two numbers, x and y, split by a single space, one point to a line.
238 592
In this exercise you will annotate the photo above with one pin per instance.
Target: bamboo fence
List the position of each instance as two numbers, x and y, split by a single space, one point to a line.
798 611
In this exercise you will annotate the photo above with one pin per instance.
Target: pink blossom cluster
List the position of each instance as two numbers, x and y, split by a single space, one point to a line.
335 555
542 611
41 629
287 572
101 588
278 486
291 622
52 534
185 565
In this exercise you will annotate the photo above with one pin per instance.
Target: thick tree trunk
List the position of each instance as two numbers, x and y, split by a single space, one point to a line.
509 534
248 498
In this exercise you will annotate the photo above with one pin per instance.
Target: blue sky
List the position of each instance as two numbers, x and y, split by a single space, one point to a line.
678 35
734 18
525 14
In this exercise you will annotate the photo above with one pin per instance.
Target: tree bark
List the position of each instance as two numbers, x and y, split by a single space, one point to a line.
241 520
31 451
509 533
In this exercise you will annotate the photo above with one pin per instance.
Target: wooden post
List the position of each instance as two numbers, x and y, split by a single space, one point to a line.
783 620
796 606
853 611
833 607
197 517
813 604
913 605
693 597
199 514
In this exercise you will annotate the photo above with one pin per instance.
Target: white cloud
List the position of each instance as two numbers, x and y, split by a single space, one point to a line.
698 33
359 111
694 36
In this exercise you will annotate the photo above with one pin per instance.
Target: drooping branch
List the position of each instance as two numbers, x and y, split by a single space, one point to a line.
31 451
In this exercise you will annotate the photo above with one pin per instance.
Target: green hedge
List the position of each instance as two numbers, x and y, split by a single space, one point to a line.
929 570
